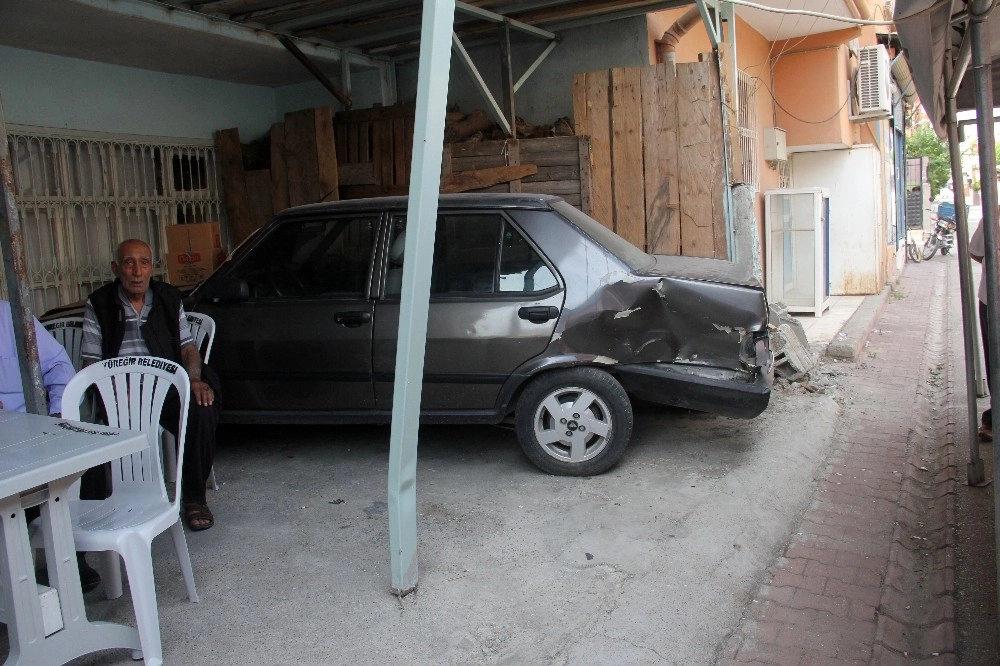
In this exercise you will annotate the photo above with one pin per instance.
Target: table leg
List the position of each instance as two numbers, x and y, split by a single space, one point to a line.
20 593
78 636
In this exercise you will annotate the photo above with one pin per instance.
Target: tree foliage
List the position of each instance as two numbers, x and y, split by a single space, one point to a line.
923 142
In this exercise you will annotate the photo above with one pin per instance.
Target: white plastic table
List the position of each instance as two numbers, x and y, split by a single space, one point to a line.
40 457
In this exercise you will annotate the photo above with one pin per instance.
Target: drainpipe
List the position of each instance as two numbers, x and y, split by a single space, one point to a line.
859 9
666 46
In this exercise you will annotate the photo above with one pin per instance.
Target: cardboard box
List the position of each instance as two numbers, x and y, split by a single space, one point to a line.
193 252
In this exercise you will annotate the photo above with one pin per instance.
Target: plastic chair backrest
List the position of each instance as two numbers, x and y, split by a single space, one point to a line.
69 332
203 331
133 390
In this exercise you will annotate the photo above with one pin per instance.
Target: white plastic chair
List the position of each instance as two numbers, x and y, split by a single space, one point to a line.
69 332
203 331
133 390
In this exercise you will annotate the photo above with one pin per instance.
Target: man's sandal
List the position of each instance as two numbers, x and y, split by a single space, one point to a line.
198 516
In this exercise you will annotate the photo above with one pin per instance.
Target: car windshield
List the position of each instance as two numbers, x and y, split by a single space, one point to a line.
632 256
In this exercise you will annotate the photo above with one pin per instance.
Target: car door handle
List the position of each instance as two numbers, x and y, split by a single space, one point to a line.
352 319
538 314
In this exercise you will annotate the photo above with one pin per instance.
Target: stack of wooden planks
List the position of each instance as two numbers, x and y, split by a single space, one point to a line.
303 170
315 156
658 159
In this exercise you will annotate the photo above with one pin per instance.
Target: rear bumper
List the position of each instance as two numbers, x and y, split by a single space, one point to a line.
712 390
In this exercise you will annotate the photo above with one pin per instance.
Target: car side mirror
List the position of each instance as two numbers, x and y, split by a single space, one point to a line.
224 290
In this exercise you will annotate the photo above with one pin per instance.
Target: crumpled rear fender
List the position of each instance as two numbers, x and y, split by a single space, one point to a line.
669 320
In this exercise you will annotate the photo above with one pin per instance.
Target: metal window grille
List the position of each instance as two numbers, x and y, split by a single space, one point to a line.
749 141
79 196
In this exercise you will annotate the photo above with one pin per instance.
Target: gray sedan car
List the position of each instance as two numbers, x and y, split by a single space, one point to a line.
537 313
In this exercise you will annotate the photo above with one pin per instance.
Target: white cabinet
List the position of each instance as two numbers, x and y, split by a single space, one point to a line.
796 228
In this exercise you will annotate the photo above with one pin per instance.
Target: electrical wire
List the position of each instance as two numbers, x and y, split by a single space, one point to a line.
795 117
808 12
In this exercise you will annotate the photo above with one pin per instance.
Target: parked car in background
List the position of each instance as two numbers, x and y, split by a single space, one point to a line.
537 313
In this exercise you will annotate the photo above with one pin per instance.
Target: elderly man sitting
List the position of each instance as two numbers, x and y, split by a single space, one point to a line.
138 316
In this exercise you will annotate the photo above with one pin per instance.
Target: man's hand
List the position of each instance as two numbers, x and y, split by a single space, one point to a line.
202 393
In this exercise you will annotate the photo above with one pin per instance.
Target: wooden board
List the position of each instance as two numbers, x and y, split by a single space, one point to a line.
662 206
584 203
484 178
400 156
234 188
259 196
697 149
626 156
568 172
514 159
301 163
592 118
356 173
279 171
326 155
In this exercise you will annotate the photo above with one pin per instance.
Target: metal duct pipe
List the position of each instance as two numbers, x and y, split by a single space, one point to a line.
666 46
904 77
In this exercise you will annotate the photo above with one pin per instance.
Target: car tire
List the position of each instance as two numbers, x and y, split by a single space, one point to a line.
565 441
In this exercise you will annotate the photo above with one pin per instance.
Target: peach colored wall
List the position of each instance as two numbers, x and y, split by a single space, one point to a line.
809 88
753 58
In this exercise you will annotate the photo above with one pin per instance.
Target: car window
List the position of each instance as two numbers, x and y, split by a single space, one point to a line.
521 268
310 258
468 247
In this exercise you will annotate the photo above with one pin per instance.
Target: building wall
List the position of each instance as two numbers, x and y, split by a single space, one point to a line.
365 93
809 88
65 93
854 177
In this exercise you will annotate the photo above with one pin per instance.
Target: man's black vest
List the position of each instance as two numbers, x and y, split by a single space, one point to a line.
161 332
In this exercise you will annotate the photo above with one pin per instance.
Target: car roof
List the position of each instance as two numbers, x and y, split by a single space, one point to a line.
469 200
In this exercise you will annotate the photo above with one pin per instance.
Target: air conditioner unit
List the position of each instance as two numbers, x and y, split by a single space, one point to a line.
874 87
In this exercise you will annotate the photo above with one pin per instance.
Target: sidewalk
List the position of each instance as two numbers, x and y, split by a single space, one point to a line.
869 575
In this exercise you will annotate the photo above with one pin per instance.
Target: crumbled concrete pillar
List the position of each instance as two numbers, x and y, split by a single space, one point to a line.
793 359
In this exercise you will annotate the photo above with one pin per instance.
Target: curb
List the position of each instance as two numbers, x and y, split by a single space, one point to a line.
849 342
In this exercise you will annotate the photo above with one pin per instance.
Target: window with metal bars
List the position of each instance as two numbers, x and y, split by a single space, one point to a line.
747 114
79 196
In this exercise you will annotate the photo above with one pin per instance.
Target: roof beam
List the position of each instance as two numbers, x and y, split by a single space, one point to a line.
493 17
180 17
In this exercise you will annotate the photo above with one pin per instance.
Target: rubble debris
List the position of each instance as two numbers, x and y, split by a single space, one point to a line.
793 359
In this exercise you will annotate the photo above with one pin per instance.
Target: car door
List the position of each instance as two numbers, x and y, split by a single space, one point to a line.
301 338
494 304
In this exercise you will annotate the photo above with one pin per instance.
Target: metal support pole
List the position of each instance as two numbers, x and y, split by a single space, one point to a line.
315 71
982 72
728 16
507 78
16 272
975 470
421 221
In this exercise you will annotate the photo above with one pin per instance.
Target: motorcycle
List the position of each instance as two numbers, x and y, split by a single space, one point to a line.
942 238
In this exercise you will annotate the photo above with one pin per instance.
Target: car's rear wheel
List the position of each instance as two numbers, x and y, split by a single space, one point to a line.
574 422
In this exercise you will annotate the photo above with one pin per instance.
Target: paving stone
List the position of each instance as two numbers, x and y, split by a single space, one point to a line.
879 533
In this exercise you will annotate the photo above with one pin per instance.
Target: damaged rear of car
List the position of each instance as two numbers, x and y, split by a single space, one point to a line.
681 331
